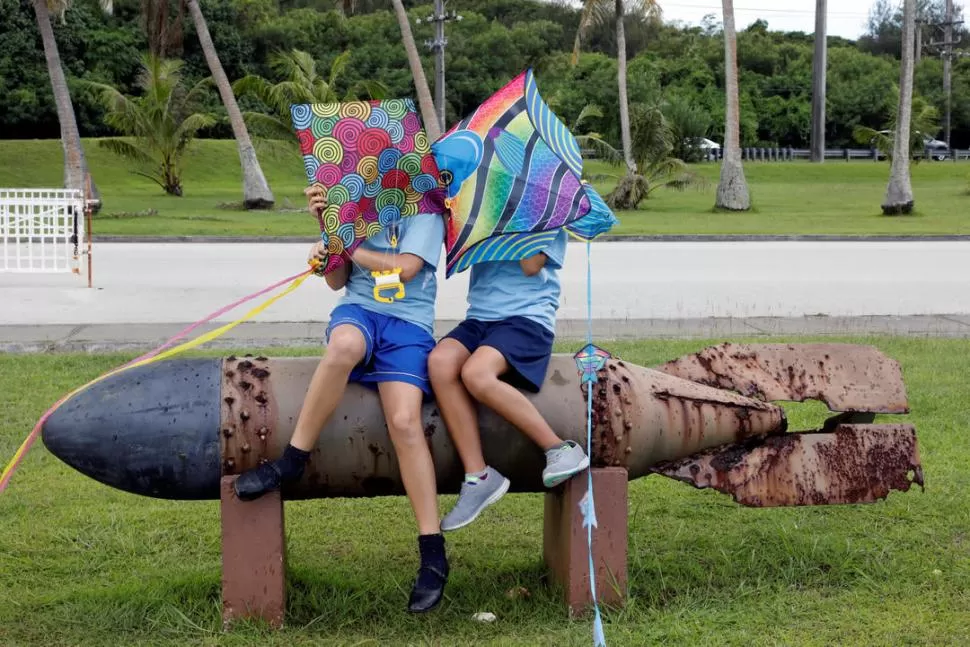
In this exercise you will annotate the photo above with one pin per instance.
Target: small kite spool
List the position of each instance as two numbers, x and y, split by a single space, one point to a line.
385 281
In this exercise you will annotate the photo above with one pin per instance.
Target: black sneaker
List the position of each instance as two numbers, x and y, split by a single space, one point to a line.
428 589
256 482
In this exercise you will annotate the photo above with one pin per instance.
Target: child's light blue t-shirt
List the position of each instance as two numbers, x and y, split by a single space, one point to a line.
422 235
499 290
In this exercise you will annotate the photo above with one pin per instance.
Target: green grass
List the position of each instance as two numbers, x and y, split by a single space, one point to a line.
789 198
83 564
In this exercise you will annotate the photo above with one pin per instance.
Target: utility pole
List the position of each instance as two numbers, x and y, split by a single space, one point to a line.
437 45
818 84
945 49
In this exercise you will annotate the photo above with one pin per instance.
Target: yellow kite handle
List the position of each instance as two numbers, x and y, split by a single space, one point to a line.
385 281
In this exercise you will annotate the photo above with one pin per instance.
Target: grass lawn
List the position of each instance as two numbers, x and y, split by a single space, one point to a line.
83 564
789 197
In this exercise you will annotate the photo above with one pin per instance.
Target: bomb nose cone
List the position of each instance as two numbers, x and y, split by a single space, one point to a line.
152 430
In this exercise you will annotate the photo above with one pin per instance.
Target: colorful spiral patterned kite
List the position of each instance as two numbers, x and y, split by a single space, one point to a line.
375 163
302 115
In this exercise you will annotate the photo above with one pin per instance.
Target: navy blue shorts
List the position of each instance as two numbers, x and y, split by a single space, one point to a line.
525 345
397 350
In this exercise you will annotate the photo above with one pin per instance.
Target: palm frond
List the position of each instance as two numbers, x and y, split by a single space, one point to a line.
125 149
269 126
338 66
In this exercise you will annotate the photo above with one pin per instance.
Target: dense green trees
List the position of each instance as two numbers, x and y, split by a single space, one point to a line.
495 41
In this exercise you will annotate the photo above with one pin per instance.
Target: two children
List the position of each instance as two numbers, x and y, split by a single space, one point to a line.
504 343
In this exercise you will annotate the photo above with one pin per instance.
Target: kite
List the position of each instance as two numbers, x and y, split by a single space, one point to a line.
374 161
513 174
590 360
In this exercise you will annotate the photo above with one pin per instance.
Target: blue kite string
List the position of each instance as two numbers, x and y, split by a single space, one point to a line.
588 506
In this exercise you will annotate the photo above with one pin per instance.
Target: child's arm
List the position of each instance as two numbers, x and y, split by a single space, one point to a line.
410 264
534 264
338 278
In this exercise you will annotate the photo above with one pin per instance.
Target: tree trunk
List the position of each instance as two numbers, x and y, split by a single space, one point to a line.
625 138
732 190
428 114
818 83
256 191
75 163
899 193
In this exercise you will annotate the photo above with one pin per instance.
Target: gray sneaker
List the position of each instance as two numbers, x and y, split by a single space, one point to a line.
475 497
562 463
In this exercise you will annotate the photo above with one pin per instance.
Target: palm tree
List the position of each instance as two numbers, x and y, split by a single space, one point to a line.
596 12
75 162
159 125
301 83
732 189
924 121
899 193
428 114
256 191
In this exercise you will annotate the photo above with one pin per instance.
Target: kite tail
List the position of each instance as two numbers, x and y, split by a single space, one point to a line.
588 504
161 353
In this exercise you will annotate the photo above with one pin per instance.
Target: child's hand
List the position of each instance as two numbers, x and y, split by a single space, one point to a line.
316 199
318 253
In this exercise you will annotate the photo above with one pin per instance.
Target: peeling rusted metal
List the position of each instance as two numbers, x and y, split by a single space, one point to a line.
641 416
249 414
852 464
845 377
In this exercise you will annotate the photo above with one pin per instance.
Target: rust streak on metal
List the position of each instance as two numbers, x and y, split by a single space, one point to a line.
852 464
249 414
843 376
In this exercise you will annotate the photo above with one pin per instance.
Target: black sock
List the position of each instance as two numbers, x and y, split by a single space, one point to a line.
432 549
290 465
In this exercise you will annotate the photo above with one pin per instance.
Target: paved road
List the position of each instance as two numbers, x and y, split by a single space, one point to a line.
174 283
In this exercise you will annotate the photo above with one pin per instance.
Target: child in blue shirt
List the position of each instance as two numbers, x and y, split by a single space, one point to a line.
386 346
503 345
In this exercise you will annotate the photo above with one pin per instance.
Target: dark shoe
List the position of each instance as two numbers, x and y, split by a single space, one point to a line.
428 589
256 482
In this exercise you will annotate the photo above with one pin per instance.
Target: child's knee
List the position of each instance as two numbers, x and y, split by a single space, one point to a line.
444 364
404 428
477 377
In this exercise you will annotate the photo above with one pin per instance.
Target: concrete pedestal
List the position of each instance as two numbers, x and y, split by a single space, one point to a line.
564 539
253 557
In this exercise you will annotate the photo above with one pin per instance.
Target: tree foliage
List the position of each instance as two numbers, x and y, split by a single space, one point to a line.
496 40
159 125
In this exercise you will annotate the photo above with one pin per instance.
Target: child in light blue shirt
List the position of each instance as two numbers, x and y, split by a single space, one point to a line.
503 345
384 346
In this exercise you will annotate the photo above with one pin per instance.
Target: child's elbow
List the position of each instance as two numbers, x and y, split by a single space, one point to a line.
410 267
533 265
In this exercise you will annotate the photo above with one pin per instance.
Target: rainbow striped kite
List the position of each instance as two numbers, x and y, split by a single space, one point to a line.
513 173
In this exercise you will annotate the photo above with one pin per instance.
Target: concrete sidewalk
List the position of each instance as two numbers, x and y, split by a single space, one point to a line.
140 336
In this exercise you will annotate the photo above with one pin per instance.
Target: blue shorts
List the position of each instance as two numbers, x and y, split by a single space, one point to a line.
525 345
397 350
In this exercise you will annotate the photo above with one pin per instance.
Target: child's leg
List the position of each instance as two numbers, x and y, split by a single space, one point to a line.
481 375
457 408
400 371
517 350
483 485
402 411
346 348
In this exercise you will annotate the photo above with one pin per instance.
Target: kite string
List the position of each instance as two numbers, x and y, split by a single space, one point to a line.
599 639
161 353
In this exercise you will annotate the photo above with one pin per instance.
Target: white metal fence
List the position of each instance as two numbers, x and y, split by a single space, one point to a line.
41 230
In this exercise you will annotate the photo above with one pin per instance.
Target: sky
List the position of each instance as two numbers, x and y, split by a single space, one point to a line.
846 18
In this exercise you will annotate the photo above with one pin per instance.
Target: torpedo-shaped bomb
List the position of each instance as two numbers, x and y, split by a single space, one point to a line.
174 428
